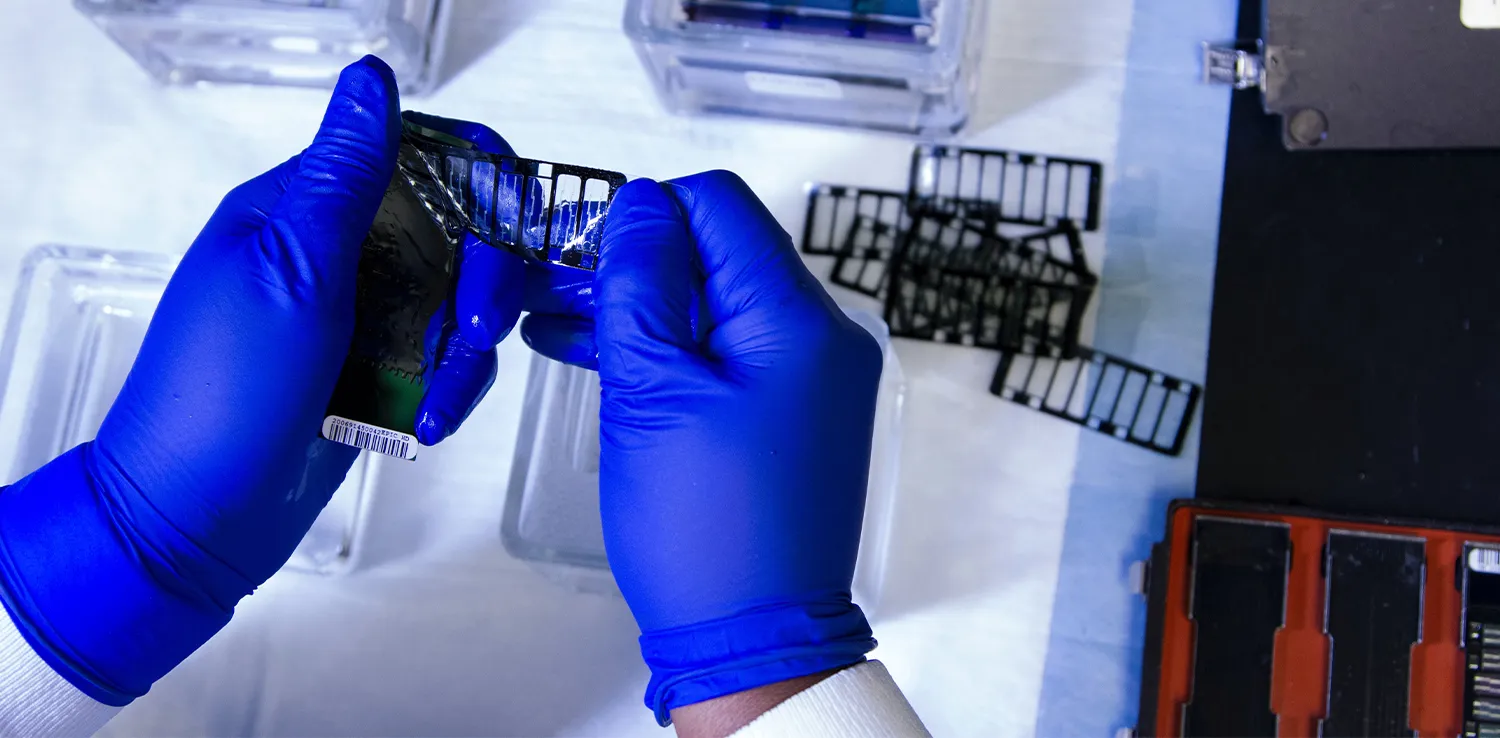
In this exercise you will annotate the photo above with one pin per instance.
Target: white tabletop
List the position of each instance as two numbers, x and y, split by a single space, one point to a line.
1006 610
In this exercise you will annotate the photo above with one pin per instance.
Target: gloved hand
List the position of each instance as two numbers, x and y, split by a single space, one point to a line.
122 556
737 408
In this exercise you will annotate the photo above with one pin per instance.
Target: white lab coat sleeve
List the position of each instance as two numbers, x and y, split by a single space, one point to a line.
34 700
859 702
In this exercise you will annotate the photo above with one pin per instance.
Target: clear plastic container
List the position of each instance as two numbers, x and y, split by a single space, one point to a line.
76 323
894 65
286 42
551 516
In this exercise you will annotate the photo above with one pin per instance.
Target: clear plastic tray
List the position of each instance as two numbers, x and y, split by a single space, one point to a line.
284 42
76 323
823 61
551 516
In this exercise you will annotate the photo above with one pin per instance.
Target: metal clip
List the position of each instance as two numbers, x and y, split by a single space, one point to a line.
1139 577
1236 67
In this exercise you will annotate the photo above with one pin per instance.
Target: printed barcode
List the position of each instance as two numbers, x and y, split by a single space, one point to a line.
369 437
1485 560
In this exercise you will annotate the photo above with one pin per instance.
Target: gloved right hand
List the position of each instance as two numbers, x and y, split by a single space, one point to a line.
737 408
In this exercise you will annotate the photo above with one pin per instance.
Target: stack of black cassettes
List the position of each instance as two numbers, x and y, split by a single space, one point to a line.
985 249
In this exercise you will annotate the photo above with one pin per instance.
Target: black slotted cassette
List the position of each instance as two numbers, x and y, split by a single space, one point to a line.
936 286
1101 392
541 211
1051 255
984 249
990 187
860 227
847 221
956 283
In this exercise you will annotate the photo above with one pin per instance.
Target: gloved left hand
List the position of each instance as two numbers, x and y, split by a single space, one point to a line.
124 555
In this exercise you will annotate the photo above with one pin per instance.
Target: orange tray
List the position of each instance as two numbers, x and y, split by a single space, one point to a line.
1300 667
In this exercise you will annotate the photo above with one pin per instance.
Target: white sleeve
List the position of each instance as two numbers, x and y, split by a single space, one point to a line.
34 700
859 702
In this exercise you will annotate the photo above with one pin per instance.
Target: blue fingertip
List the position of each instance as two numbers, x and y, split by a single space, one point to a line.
433 428
460 380
378 66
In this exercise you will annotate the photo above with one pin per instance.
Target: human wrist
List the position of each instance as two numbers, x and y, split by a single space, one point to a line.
723 716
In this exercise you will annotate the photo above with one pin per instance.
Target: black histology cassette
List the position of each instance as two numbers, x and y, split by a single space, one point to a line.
988 186
984 249
541 211
1103 393
445 187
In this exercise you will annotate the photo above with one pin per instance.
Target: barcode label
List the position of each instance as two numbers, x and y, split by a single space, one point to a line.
369 437
1484 560
794 85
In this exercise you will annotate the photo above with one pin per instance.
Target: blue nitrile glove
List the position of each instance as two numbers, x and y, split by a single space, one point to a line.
125 554
560 321
484 307
737 407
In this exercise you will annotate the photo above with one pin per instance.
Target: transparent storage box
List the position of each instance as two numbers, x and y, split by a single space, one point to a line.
551 517
894 65
76 323
287 42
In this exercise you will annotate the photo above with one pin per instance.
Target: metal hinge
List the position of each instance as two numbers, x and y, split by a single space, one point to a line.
1234 65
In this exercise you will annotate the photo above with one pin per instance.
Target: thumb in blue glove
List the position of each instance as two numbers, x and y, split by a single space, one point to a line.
125 554
737 408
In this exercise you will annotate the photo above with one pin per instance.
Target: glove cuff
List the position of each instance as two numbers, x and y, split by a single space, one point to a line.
760 646
110 610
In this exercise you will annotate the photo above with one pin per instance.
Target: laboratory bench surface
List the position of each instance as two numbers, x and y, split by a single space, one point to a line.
1007 608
